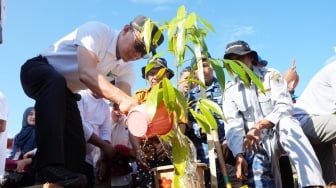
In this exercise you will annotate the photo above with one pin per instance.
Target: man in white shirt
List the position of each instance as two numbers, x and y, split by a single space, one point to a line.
260 126
315 109
4 111
90 57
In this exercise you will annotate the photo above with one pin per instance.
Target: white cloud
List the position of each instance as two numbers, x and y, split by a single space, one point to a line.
239 31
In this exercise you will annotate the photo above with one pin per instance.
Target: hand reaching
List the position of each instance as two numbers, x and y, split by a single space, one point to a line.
109 151
251 140
141 158
23 164
102 169
241 168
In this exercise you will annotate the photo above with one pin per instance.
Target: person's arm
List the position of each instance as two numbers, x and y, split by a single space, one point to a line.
30 154
234 128
105 128
96 82
280 99
21 164
252 138
3 124
241 167
140 155
104 145
126 87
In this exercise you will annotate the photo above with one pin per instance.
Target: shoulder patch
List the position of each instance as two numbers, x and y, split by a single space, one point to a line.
277 79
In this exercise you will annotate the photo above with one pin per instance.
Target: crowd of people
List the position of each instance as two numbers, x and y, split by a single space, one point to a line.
76 134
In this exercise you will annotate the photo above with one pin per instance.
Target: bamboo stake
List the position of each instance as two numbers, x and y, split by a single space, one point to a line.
221 160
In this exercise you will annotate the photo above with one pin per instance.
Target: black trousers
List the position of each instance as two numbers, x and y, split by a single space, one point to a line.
59 130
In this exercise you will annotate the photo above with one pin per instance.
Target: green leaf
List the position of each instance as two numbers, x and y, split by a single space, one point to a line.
147 33
149 66
181 12
161 73
191 21
214 107
228 68
195 35
198 82
208 115
180 43
254 78
237 68
154 98
201 120
181 108
168 94
157 36
218 68
171 45
206 24
172 28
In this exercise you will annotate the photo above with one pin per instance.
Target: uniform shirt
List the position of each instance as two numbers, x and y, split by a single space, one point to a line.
214 93
4 112
97 38
243 106
96 119
318 98
141 95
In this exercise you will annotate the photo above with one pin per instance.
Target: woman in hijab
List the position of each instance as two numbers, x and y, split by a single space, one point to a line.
24 141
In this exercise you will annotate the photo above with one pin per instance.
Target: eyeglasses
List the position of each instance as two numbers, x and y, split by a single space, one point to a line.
236 57
139 46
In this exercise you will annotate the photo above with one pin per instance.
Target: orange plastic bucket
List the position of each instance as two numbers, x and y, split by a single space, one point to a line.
140 125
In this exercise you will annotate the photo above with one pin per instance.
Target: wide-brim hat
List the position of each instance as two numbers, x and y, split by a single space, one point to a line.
156 36
239 48
160 63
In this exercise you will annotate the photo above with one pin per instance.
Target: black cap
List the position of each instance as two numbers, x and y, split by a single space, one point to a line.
138 24
160 63
239 48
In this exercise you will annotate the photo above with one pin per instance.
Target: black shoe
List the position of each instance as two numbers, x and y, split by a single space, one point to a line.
61 176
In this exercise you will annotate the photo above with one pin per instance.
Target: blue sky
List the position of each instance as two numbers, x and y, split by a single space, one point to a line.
277 30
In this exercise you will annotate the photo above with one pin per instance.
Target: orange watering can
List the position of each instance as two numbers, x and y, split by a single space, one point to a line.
140 125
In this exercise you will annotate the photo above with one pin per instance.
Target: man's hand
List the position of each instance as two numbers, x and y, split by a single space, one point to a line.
241 168
127 103
29 154
22 164
102 168
141 158
251 140
109 151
